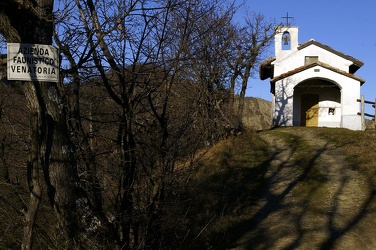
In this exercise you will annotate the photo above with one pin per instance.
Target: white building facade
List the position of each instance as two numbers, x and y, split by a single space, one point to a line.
312 84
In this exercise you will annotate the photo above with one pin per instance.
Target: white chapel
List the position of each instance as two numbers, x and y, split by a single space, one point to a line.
312 84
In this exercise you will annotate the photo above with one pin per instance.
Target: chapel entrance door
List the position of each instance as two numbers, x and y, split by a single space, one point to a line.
309 115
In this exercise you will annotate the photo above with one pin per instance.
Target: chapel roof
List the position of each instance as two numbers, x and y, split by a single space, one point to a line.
324 65
266 67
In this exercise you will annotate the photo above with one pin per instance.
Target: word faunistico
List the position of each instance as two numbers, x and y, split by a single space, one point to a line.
33 55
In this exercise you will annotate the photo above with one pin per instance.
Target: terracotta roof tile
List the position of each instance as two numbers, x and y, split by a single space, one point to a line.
324 65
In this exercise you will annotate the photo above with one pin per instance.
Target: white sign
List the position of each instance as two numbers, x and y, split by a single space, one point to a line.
32 62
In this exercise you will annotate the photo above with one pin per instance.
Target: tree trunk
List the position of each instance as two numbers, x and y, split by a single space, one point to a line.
33 169
245 78
79 222
35 27
4 171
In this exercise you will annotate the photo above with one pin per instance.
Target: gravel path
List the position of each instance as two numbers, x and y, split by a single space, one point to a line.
313 199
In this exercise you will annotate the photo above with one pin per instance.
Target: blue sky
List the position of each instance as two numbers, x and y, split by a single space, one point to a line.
346 26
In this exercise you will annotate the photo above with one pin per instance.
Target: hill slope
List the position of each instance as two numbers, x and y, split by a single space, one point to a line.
288 188
257 113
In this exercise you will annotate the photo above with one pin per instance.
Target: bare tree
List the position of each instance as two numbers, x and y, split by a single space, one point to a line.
249 43
52 151
14 30
144 85
207 54
138 53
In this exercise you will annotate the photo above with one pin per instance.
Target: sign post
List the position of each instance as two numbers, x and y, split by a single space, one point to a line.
32 62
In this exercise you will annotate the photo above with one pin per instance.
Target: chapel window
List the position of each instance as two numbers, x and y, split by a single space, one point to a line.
310 59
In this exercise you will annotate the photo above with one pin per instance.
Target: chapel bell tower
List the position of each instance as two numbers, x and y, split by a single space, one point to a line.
285 41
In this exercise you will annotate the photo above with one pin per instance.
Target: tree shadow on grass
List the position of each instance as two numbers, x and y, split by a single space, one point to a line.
306 209
285 201
284 177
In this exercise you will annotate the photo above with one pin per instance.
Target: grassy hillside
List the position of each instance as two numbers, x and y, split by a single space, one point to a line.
288 188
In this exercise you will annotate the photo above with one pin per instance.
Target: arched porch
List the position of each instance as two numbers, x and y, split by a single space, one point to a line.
317 103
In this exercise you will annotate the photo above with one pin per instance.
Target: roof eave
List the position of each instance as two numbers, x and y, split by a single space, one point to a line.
266 69
305 67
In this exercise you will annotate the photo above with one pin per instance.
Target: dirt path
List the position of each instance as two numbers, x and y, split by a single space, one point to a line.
313 198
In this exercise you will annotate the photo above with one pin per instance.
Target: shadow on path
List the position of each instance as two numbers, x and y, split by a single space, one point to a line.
312 200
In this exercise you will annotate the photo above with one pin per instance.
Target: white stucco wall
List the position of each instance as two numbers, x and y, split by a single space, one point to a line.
283 106
350 93
326 120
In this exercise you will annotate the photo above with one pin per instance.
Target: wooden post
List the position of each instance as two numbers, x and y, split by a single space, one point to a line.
374 118
362 112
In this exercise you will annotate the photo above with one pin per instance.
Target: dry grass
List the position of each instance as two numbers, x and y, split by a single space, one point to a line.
287 188
250 190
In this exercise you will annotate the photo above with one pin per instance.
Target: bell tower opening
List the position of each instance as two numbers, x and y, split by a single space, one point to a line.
286 41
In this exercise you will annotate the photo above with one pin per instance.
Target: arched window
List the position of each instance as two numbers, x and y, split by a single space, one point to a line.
286 41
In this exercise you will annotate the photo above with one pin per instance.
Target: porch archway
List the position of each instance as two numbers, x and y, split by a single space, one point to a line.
317 102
